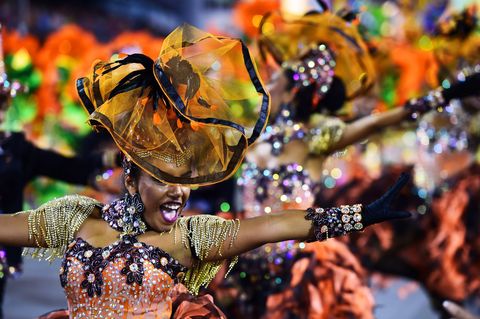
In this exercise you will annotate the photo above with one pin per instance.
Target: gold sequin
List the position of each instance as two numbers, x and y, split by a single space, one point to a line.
179 158
163 261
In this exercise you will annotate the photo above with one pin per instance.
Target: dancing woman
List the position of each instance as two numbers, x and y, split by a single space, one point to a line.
172 119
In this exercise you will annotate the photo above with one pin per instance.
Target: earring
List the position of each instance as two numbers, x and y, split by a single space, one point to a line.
133 223
127 166
134 203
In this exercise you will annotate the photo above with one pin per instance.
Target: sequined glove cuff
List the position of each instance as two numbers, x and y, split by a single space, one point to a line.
434 100
335 221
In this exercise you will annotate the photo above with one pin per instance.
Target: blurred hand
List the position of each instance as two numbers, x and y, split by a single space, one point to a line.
457 311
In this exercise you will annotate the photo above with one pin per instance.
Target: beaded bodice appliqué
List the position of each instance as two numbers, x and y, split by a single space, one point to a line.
269 190
288 186
127 279
283 131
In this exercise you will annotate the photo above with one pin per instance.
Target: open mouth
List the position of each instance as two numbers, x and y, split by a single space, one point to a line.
170 211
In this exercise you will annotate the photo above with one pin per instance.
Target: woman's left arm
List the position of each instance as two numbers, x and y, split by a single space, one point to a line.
209 240
310 225
270 228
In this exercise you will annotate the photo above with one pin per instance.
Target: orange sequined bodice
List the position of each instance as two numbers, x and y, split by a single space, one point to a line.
128 279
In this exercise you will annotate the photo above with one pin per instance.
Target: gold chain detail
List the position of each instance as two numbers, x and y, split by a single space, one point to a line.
53 225
207 234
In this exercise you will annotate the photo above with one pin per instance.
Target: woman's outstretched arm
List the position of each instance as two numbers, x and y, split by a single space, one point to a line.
14 230
362 128
271 228
359 130
52 225
309 225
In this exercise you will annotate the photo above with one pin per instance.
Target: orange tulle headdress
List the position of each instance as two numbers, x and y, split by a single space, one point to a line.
317 47
456 44
186 118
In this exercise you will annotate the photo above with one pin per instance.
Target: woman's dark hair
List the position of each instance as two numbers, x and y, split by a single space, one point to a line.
302 102
95 142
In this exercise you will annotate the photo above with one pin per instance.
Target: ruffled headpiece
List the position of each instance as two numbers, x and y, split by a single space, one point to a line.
318 47
186 118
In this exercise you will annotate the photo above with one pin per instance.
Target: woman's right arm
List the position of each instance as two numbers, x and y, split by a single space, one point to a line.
49 228
361 129
435 99
14 230
312 224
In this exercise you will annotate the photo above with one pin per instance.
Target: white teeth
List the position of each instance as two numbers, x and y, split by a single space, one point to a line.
172 206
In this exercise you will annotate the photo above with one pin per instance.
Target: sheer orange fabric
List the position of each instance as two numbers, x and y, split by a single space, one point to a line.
288 39
186 118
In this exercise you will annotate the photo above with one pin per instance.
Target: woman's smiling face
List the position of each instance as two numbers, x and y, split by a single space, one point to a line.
163 203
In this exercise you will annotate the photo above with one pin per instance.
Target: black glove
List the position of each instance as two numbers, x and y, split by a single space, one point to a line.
439 98
380 211
339 221
462 89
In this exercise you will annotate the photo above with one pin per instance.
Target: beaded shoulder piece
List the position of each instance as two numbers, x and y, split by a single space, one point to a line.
283 131
325 132
53 225
206 234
